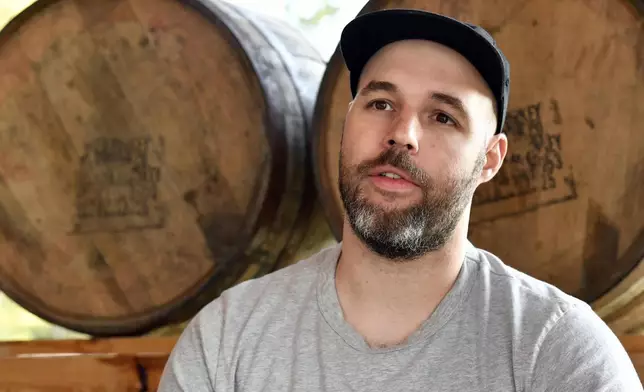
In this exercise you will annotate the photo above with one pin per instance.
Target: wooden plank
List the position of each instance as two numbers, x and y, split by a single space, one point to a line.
86 372
119 364
120 346
634 345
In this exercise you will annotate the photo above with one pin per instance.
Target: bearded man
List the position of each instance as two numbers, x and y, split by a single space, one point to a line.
406 302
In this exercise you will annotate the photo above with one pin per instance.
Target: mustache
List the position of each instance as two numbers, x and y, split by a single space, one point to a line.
398 159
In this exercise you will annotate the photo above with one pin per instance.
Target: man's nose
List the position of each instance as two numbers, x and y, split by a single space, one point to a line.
404 133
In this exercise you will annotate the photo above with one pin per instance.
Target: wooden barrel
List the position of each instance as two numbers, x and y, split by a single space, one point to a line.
568 205
152 154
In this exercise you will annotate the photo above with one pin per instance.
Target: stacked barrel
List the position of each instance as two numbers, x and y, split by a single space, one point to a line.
156 152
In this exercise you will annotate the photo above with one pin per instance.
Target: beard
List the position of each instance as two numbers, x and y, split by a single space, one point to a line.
406 233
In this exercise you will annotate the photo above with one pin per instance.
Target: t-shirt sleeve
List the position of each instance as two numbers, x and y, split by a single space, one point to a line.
192 364
581 353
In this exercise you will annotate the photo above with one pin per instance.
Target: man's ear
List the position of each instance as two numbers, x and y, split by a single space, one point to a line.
497 148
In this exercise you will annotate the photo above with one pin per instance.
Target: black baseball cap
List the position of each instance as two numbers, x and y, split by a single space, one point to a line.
368 33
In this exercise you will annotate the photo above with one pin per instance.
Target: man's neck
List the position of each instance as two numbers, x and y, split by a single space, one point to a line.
385 300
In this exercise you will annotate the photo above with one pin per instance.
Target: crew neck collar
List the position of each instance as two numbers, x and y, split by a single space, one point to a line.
331 310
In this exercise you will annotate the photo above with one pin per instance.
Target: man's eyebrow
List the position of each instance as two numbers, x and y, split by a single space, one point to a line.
379 85
452 101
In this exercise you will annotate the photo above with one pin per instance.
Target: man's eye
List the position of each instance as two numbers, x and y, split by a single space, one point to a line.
380 105
444 118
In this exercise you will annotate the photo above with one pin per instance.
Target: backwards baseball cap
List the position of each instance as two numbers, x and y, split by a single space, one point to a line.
368 33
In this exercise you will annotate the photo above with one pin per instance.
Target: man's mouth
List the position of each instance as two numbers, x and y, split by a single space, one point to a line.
393 173
389 178
390 175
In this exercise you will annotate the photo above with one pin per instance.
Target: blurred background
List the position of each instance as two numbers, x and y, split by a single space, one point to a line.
320 21
103 96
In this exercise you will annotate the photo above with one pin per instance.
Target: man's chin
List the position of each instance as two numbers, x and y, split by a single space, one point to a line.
389 205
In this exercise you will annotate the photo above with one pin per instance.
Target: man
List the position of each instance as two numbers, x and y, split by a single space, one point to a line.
405 302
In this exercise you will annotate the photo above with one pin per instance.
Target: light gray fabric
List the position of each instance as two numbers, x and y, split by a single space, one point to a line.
496 330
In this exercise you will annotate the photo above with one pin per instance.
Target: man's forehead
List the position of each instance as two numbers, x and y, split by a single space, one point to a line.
418 48
419 55
420 61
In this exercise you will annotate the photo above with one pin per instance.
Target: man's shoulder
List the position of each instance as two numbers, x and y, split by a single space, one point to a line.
560 342
287 286
532 306
301 274
506 281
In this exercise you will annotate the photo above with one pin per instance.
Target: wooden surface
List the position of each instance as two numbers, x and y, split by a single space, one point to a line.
116 364
623 307
568 205
152 154
120 346
102 372
634 345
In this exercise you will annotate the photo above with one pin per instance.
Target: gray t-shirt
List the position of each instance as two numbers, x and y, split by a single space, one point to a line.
496 330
